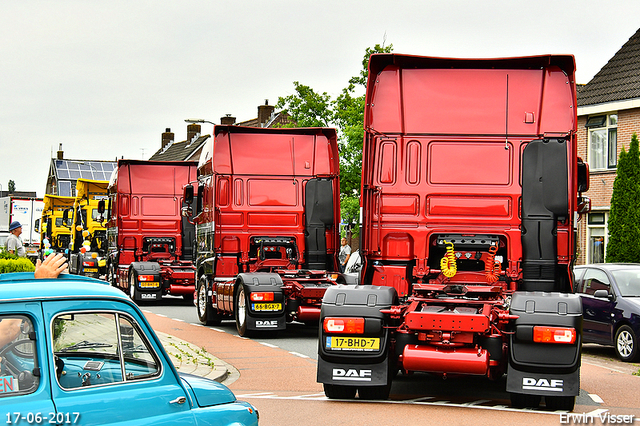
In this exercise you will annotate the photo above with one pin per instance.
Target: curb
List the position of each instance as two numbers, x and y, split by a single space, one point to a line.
190 359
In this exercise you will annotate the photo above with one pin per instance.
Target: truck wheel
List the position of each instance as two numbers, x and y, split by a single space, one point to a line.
206 313
111 275
375 392
522 400
339 391
564 403
626 344
133 277
241 311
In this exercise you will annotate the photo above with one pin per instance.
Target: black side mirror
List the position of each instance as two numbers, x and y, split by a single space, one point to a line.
65 218
583 176
188 194
101 207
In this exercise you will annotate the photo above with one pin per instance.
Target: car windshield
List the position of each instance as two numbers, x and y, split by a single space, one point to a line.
628 281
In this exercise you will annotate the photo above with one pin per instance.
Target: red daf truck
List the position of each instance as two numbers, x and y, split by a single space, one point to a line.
267 215
471 191
150 244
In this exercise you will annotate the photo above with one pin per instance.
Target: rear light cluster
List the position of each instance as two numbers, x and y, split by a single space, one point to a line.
566 335
343 325
146 278
262 297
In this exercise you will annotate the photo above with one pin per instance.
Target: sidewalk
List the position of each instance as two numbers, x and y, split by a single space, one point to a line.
190 359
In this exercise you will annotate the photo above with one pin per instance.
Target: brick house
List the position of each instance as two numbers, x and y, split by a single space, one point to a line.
608 115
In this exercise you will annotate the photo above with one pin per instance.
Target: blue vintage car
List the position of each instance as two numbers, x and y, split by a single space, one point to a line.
77 351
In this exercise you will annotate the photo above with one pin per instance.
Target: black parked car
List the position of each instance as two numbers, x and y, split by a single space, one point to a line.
610 294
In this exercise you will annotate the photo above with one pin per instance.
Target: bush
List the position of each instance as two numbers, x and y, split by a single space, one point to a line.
13 263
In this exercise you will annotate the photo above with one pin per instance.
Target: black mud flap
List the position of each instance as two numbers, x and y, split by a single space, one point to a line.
154 289
547 384
353 374
264 320
551 369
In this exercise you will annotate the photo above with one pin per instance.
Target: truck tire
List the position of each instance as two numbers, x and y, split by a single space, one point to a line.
241 311
626 344
523 400
133 278
564 403
206 313
111 275
339 391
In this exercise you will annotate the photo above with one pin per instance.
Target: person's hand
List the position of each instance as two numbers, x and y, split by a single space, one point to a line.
53 265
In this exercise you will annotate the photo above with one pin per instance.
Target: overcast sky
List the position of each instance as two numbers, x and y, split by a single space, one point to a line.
105 78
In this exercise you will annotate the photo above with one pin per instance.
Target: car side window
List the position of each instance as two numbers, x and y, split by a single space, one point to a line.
595 279
19 372
100 348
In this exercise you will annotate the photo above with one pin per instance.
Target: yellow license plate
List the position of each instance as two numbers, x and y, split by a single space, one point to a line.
353 343
150 284
91 269
267 306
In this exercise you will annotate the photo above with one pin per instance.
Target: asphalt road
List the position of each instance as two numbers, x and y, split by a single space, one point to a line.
278 376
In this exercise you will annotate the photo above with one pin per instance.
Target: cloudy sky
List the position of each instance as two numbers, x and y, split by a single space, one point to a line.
105 78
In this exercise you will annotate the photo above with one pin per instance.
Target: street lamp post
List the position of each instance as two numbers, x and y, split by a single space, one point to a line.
198 120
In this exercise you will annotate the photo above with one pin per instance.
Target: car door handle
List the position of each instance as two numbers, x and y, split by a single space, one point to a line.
179 400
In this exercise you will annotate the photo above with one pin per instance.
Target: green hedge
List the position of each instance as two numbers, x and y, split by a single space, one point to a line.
12 263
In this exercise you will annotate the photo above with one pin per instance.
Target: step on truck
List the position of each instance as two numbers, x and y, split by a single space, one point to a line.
55 234
471 191
267 215
150 244
88 217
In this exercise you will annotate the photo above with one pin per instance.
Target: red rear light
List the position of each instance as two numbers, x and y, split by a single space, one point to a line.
146 278
343 325
262 297
566 335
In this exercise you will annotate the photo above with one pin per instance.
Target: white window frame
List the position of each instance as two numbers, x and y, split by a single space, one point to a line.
603 156
597 230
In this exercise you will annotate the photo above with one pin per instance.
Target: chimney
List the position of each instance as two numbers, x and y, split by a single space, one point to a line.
60 152
167 137
264 113
227 120
193 131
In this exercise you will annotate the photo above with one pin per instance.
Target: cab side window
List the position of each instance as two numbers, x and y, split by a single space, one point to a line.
19 372
100 348
595 279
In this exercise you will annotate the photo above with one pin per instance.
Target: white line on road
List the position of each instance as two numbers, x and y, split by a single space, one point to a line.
596 398
298 354
269 345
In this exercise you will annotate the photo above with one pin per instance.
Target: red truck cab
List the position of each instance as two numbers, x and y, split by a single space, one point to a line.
150 243
471 190
267 212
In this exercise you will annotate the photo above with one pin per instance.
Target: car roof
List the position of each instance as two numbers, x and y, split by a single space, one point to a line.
610 266
23 286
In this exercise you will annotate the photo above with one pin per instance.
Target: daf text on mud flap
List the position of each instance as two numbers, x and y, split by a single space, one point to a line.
266 324
542 384
352 374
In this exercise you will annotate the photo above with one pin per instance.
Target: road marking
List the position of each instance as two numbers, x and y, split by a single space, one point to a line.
596 398
420 401
177 319
298 354
269 345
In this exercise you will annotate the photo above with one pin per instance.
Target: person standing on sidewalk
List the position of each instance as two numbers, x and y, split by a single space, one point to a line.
344 254
14 242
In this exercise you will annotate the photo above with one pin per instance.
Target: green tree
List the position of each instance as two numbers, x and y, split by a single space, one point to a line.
11 187
624 218
346 113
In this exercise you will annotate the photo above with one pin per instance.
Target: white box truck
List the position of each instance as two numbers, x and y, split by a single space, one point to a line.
25 210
